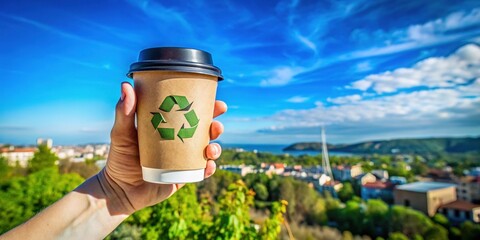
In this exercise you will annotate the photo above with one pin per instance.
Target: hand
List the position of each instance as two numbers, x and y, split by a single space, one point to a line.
121 179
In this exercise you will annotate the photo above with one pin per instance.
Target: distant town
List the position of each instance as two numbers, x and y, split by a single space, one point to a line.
439 191
78 153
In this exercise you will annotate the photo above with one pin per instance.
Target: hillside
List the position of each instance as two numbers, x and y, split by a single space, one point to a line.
416 146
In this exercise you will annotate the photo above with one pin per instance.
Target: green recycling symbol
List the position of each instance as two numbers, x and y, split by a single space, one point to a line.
190 116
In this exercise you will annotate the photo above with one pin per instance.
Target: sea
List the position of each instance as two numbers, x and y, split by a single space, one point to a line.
278 149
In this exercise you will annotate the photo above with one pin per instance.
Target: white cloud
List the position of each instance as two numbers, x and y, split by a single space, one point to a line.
458 68
419 107
454 21
297 99
363 66
443 98
281 76
305 41
455 26
345 99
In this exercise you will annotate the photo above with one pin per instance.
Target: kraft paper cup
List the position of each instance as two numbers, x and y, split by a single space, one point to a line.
175 90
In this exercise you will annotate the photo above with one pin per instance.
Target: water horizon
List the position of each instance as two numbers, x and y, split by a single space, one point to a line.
277 149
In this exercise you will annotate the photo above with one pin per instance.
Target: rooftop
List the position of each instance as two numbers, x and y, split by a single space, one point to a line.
424 186
461 205
378 185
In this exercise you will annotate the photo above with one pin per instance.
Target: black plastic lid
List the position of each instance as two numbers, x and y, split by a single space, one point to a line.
175 59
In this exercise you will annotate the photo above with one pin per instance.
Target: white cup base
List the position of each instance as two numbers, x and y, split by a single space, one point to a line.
163 176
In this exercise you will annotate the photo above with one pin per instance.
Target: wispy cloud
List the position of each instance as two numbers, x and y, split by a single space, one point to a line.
455 26
458 68
297 99
104 66
161 14
281 76
451 104
59 32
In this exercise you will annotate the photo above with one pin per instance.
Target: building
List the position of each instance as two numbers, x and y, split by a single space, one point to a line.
381 173
19 156
474 172
345 172
48 142
326 184
426 197
241 169
397 180
461 211
365 178
468 189
378 190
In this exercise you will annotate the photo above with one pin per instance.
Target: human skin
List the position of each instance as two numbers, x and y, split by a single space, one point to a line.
101 203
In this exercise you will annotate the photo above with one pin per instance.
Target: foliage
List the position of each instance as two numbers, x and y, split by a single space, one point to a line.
397 236
179 217
23 197
5 169
470 231
84 169
436 232
272 226
233 219
43 158
346 193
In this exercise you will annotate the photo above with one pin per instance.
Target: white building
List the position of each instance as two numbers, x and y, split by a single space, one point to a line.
18 155
48 142
468 189
460 211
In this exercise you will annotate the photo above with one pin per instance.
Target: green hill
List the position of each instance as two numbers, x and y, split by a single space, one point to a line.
409 146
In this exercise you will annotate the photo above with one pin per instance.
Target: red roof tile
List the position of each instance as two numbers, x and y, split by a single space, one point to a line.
460 205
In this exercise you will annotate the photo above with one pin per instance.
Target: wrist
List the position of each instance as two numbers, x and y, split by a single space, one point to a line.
117 200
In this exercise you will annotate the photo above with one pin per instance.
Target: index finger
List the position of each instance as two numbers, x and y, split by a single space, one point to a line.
219 109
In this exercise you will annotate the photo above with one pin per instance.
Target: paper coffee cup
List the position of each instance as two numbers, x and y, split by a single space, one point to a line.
175 90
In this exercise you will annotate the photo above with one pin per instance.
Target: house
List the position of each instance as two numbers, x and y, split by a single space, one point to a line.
241 169
397 180
18 155
461 211
378 190
365 178
426 197
325 184
380 173
468 189
440 175
345 172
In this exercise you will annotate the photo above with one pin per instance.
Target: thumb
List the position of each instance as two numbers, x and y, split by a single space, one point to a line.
125 111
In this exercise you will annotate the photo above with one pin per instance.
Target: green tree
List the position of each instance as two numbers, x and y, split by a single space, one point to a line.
397 236
409 221
178 217
233 219
436 232
261 191
272 226
470 231
43 158
346 193
287 192
5 169
441 219
23 197
377 218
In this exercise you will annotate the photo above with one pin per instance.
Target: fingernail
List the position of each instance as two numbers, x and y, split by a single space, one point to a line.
122 93
215 150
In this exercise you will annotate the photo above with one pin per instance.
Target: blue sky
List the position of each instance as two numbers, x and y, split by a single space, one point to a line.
364 69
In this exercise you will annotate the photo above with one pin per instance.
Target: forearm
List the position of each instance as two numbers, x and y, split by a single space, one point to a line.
82 214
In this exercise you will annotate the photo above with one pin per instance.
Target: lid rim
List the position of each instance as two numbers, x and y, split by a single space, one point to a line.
176 59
